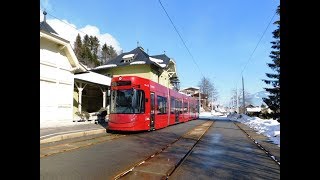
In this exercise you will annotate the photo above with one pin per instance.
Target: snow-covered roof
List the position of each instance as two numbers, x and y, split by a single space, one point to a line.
255 109
94 78
162 65
128 56
138 62
156 60
190 88
138 54
104 66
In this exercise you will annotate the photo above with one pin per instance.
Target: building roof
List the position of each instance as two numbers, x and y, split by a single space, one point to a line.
93 77
136 56
163 57
46 27
47 32
255 109
191 89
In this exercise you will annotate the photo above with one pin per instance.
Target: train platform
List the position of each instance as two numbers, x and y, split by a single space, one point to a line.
53 134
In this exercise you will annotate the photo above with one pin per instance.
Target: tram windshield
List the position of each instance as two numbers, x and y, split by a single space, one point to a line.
128 101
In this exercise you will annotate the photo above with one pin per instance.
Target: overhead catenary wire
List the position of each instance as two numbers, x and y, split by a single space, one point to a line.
258 43
181 38
167 16
241 74
63 21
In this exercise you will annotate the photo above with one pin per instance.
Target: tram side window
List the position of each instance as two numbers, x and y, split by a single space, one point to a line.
180 107
162 105
172 105
140 102
185 108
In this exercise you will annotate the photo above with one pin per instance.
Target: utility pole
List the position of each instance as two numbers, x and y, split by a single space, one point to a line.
243 102
237 100
199 100
212 101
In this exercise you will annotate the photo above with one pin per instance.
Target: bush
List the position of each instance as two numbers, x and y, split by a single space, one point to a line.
264 114
103 109
253 114
84 115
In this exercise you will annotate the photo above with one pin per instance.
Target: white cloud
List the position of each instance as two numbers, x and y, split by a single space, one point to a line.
69 32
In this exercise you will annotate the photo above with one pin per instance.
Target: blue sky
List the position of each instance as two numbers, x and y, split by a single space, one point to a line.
221 35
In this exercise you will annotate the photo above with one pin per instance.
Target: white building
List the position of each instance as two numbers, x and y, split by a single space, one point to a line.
58 64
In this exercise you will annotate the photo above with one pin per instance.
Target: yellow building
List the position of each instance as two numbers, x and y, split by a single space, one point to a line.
158 68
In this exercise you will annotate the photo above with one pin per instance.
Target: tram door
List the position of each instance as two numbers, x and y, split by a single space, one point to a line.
152 113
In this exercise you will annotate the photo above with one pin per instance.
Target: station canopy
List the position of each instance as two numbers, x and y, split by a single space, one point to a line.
93 77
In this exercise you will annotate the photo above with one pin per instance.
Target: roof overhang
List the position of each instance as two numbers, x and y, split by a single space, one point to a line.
64 45
93 77
172 70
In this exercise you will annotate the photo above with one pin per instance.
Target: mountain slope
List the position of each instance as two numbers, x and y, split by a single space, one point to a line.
256 98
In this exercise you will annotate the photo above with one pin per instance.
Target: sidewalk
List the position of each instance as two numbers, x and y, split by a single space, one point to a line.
66 132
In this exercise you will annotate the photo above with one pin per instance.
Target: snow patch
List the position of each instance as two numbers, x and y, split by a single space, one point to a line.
156 60
138 62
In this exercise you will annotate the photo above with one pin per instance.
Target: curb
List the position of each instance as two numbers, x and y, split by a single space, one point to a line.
72 135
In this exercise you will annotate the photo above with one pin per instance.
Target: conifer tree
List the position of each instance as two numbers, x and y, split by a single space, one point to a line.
107 53
78 46
112 52
273 100
104 53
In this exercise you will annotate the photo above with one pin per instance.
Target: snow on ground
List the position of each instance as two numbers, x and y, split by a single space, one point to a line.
268 127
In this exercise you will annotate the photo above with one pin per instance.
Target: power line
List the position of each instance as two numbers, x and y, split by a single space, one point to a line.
254 51
257 45
64 22
180 37
258 42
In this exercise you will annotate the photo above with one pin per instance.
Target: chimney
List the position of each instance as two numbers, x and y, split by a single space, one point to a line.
44 13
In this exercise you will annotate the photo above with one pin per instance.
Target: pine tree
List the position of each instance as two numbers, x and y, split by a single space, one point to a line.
273 100
88 53
86 41
94 46
78 46
107 53
104 53
112 52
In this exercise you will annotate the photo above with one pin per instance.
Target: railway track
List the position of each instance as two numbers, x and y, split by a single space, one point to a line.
168 159
51 148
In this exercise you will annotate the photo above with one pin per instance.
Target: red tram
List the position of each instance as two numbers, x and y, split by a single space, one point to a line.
141 104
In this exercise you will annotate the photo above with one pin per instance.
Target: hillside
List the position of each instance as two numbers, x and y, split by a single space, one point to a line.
256 98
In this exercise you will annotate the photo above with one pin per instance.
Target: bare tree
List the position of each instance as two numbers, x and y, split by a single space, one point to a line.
207 88
247 97
233 99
